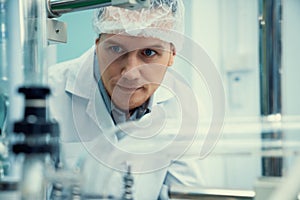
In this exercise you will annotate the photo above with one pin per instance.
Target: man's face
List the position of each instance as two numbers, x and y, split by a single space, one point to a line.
132 67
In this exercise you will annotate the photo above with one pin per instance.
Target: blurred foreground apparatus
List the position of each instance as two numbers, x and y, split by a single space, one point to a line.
261 154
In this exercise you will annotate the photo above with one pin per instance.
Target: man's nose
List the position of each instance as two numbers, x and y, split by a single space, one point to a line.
131 68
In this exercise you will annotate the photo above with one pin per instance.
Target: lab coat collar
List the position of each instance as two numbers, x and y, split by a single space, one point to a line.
80 81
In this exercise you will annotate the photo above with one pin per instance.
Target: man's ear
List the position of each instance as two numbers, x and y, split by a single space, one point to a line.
96 44
172 55
97 40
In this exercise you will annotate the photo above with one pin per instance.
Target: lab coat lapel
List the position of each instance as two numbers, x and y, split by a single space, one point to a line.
80 79
164 92
96 109
82 84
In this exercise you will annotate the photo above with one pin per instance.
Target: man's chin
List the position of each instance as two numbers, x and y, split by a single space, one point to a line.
128 100
129 106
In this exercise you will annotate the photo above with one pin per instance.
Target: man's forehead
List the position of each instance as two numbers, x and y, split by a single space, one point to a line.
132 41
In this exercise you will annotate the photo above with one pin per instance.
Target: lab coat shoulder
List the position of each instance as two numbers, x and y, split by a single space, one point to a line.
60 101
63 79
61 74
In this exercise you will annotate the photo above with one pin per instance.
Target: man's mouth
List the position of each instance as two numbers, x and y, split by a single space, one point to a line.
127 88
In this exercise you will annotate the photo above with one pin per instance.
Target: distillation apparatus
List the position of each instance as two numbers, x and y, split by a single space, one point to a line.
26 127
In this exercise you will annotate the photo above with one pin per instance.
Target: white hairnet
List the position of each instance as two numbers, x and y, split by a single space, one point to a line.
160 20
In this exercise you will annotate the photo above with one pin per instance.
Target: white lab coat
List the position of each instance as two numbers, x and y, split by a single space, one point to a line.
77 105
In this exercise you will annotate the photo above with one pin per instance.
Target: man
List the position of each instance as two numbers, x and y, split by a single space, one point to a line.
124 77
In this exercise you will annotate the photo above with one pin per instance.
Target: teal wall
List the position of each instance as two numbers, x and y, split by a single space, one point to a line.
81 35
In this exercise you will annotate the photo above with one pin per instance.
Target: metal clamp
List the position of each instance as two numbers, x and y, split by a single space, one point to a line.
56 31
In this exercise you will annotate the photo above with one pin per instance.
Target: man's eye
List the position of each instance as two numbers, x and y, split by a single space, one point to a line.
149 52
116 49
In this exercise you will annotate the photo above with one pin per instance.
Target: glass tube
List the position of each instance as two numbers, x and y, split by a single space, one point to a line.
3 47
34 41
3 66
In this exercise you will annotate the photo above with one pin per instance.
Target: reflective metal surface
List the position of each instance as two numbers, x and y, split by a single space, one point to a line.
59 7
211 194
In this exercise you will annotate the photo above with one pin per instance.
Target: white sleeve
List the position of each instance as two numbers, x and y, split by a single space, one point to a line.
184 172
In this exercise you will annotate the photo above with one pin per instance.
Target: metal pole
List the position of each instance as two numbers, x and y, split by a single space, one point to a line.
34 41
3 67
59 7
270 77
